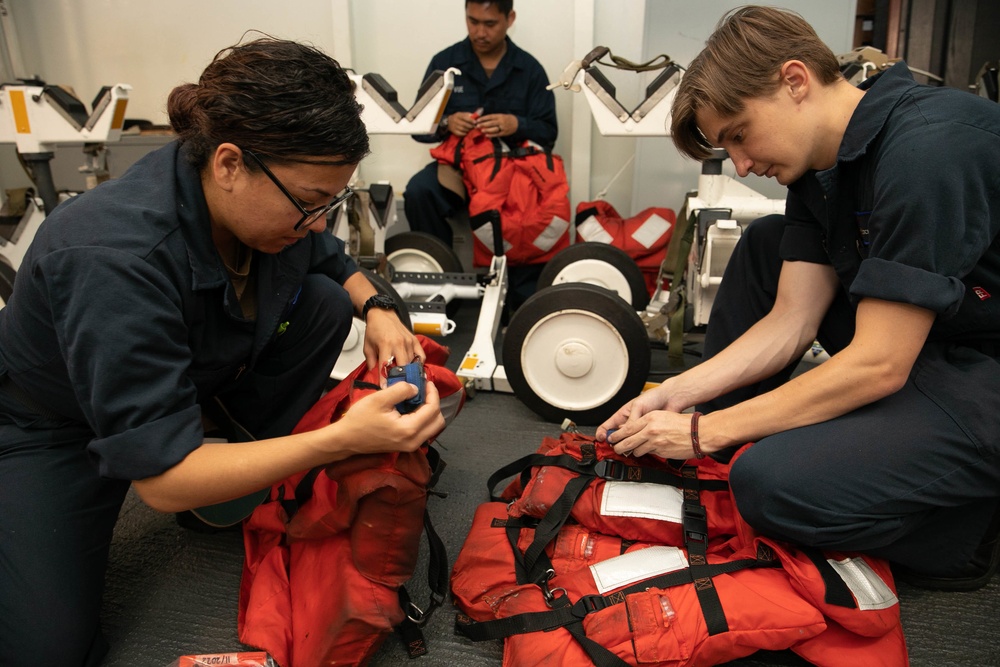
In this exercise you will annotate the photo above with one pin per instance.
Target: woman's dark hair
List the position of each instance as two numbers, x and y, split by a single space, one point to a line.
283 100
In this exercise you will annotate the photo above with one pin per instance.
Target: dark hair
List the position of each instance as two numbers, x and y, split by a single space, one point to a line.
505 7
281 99
742 60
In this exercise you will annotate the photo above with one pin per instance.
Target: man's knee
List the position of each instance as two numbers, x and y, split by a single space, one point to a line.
766 497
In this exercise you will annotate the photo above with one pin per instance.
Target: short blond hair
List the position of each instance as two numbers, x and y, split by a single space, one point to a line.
742 60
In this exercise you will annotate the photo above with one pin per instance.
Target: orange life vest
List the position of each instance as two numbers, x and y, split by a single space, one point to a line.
644 237
522 191
560 592
328 552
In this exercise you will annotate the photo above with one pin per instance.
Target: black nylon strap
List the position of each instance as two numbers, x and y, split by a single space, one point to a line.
837 591
543 621
695 523
608 469
600 656
551 523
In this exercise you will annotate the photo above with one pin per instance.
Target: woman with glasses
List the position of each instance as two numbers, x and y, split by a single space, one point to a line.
203 276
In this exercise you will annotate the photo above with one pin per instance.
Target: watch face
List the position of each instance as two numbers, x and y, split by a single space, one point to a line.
381 301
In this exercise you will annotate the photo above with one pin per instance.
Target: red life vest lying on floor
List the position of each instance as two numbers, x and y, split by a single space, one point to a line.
644 237
523 191
637 502
560 593
329 551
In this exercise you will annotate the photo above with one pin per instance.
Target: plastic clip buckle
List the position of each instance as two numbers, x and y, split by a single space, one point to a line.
588 605
610 469
695 523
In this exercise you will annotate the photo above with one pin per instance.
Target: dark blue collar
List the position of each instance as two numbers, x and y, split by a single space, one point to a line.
883 92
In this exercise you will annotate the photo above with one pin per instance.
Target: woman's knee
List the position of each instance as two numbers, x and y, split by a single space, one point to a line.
325 300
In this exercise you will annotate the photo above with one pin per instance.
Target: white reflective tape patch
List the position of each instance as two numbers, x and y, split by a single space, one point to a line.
868 588
636 566
651 231
485 234
450 405
592 230
551 234
644 500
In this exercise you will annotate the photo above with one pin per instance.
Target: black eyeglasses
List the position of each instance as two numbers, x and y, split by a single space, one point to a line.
308 216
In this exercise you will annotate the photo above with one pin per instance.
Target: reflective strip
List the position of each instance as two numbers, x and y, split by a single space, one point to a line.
485 234
450 405
642 500
651 231
636 566
868 588
20 108
592 230
119 118
551 234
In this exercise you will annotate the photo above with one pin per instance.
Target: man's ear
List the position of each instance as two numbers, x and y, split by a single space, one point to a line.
510 18
796 78
225 165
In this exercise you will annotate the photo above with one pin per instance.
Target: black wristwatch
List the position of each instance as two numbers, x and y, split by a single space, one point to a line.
379 301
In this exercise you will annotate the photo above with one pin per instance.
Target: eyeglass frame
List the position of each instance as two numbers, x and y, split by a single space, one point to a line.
315 213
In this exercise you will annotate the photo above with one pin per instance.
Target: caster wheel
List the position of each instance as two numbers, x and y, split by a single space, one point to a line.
598 264
576 351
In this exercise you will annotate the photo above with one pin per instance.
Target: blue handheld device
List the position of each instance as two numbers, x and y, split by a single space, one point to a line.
413 373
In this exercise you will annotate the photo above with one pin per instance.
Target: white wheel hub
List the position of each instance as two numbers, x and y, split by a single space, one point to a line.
595 272
411 260
574 359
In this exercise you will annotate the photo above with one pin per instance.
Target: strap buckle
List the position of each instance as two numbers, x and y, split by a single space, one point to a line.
552 600
420 617
588 604
610 469
695 523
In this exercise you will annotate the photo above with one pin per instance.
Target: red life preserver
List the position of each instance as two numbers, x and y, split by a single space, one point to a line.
588 597
638 499
524 188
327 553
644 237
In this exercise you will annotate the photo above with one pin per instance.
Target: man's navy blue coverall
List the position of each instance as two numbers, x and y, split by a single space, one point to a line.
910 213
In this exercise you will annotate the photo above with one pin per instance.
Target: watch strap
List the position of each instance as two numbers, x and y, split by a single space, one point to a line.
381 301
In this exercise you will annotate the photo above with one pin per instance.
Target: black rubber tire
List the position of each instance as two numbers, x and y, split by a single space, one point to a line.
438 250
570 300
7 274
383 286
616 258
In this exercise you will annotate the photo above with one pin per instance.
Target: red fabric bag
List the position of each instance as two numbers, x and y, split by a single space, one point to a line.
328 551
524 187
644 237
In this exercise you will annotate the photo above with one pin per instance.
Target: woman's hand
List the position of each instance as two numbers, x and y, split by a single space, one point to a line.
388 341
373 425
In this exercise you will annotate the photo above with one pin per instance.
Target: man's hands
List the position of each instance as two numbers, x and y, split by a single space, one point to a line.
494 125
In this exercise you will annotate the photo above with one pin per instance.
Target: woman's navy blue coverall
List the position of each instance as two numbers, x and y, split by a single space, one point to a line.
910 213
122 322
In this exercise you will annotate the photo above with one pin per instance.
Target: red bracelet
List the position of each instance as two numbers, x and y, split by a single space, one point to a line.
695 441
